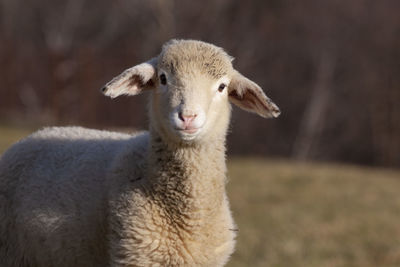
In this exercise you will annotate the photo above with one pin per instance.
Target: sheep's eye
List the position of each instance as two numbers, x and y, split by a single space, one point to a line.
163 79
221 87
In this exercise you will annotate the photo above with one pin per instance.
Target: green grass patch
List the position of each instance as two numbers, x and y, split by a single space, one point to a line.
10 134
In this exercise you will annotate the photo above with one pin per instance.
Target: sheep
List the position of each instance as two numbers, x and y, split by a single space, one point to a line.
71 196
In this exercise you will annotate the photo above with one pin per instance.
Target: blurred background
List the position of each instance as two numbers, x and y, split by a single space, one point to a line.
333 67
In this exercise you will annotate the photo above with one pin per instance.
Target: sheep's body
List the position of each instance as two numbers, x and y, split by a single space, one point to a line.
79 197
56 214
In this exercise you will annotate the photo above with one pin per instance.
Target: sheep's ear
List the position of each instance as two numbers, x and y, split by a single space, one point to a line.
133 80
249 96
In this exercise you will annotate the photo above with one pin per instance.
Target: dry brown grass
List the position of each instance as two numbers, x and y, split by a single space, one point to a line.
307 215
314 215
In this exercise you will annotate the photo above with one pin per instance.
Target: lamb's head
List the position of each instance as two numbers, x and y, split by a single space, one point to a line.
192 84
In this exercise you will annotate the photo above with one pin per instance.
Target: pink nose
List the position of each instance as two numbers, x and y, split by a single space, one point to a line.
187 119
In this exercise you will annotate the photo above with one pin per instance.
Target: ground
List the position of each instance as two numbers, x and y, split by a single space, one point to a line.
306 214
314 215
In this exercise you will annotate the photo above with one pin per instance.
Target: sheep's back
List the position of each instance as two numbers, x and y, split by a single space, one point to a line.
52 195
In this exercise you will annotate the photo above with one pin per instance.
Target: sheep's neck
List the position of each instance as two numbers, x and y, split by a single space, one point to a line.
190 179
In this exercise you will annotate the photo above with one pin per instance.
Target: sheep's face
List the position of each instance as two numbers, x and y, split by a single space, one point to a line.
192 83
191 107
190 102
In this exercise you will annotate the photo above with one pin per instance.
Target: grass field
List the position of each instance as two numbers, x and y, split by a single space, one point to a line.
291 214
314 215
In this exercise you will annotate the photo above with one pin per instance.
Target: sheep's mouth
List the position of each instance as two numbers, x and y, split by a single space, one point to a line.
188 133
